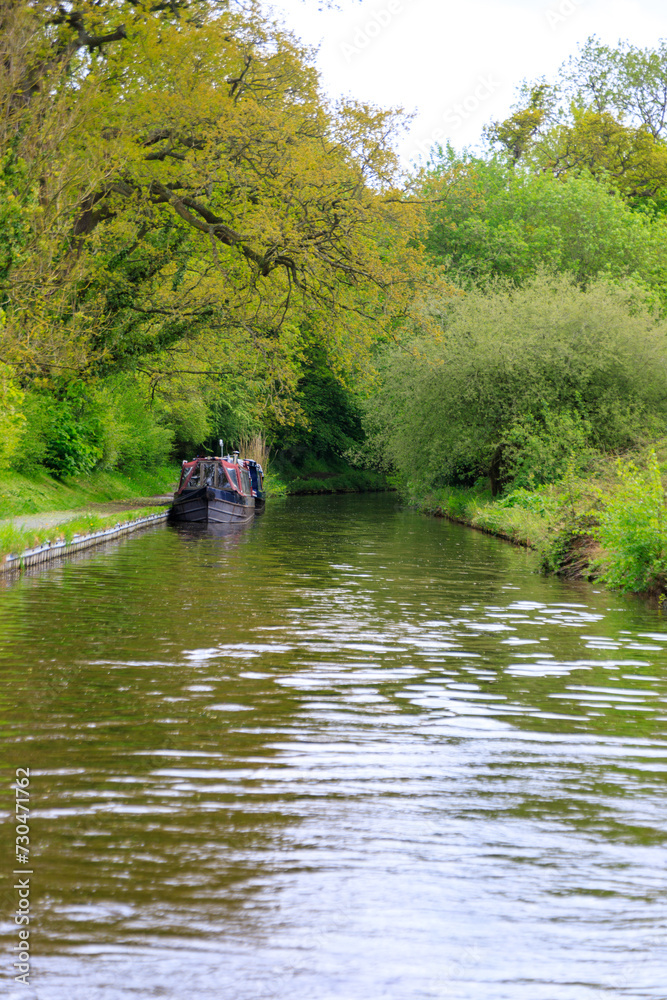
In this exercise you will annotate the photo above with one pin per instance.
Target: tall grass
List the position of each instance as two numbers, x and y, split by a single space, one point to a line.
256 448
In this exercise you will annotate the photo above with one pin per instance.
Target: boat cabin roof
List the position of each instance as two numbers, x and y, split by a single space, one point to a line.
220 473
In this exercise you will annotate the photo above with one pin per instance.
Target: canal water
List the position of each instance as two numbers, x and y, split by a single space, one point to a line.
348 753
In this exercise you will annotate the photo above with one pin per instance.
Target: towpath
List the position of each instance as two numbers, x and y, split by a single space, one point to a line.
48 519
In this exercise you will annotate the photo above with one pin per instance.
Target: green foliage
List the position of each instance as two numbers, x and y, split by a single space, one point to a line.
351 481
274 485
311 473
73 430
519 381
540 447
450 501
135 431
12 419
497 222
79 427
331 417
537 501
232 416
632 530
323 451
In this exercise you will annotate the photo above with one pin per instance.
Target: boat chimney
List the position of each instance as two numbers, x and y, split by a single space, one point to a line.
221 443
236 456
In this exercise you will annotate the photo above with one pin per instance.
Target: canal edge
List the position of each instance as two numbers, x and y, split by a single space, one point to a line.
51 551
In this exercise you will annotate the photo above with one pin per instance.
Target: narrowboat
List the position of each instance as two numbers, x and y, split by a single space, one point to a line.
216 490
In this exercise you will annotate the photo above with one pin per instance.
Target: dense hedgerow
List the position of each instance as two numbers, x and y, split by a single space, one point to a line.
522 382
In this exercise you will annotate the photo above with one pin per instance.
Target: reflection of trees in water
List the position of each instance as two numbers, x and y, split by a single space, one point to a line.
112 666
178 684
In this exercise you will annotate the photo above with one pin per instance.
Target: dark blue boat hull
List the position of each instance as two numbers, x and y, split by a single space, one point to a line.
207 505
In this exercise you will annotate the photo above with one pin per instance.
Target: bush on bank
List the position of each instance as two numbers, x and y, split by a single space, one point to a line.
519 384
632 530
509 413
610 525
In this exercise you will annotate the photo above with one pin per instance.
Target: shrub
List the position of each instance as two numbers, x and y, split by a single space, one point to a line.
73 430
632 530
76 427
135 434
520 382
539 448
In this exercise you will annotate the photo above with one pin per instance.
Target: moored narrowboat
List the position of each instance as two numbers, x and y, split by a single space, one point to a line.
256 474
215 490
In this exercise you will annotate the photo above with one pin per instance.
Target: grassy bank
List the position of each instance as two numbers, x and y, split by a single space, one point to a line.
14 540
37 492
317 474
610 525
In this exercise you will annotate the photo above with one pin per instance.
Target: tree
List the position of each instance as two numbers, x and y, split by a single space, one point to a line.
190 202
488 220
627 82
606 113
520 381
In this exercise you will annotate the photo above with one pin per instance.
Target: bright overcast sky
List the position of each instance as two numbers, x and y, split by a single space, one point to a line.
457 65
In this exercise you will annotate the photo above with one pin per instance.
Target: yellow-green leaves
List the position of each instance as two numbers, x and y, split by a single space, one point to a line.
11 416
200 204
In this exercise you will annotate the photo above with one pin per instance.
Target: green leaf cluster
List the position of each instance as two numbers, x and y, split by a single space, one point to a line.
488 221
520 381
632 530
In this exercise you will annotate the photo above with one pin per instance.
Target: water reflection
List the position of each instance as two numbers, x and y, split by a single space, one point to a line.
231 533
350 752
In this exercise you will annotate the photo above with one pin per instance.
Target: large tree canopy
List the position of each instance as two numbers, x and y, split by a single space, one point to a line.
606 112
488 221
176 196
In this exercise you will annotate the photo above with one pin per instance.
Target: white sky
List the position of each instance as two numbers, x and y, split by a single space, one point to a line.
430 56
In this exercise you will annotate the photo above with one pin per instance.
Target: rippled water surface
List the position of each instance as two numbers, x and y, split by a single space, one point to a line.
349 753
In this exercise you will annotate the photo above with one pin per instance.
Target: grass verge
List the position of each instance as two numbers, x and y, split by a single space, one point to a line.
14 541
38 492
